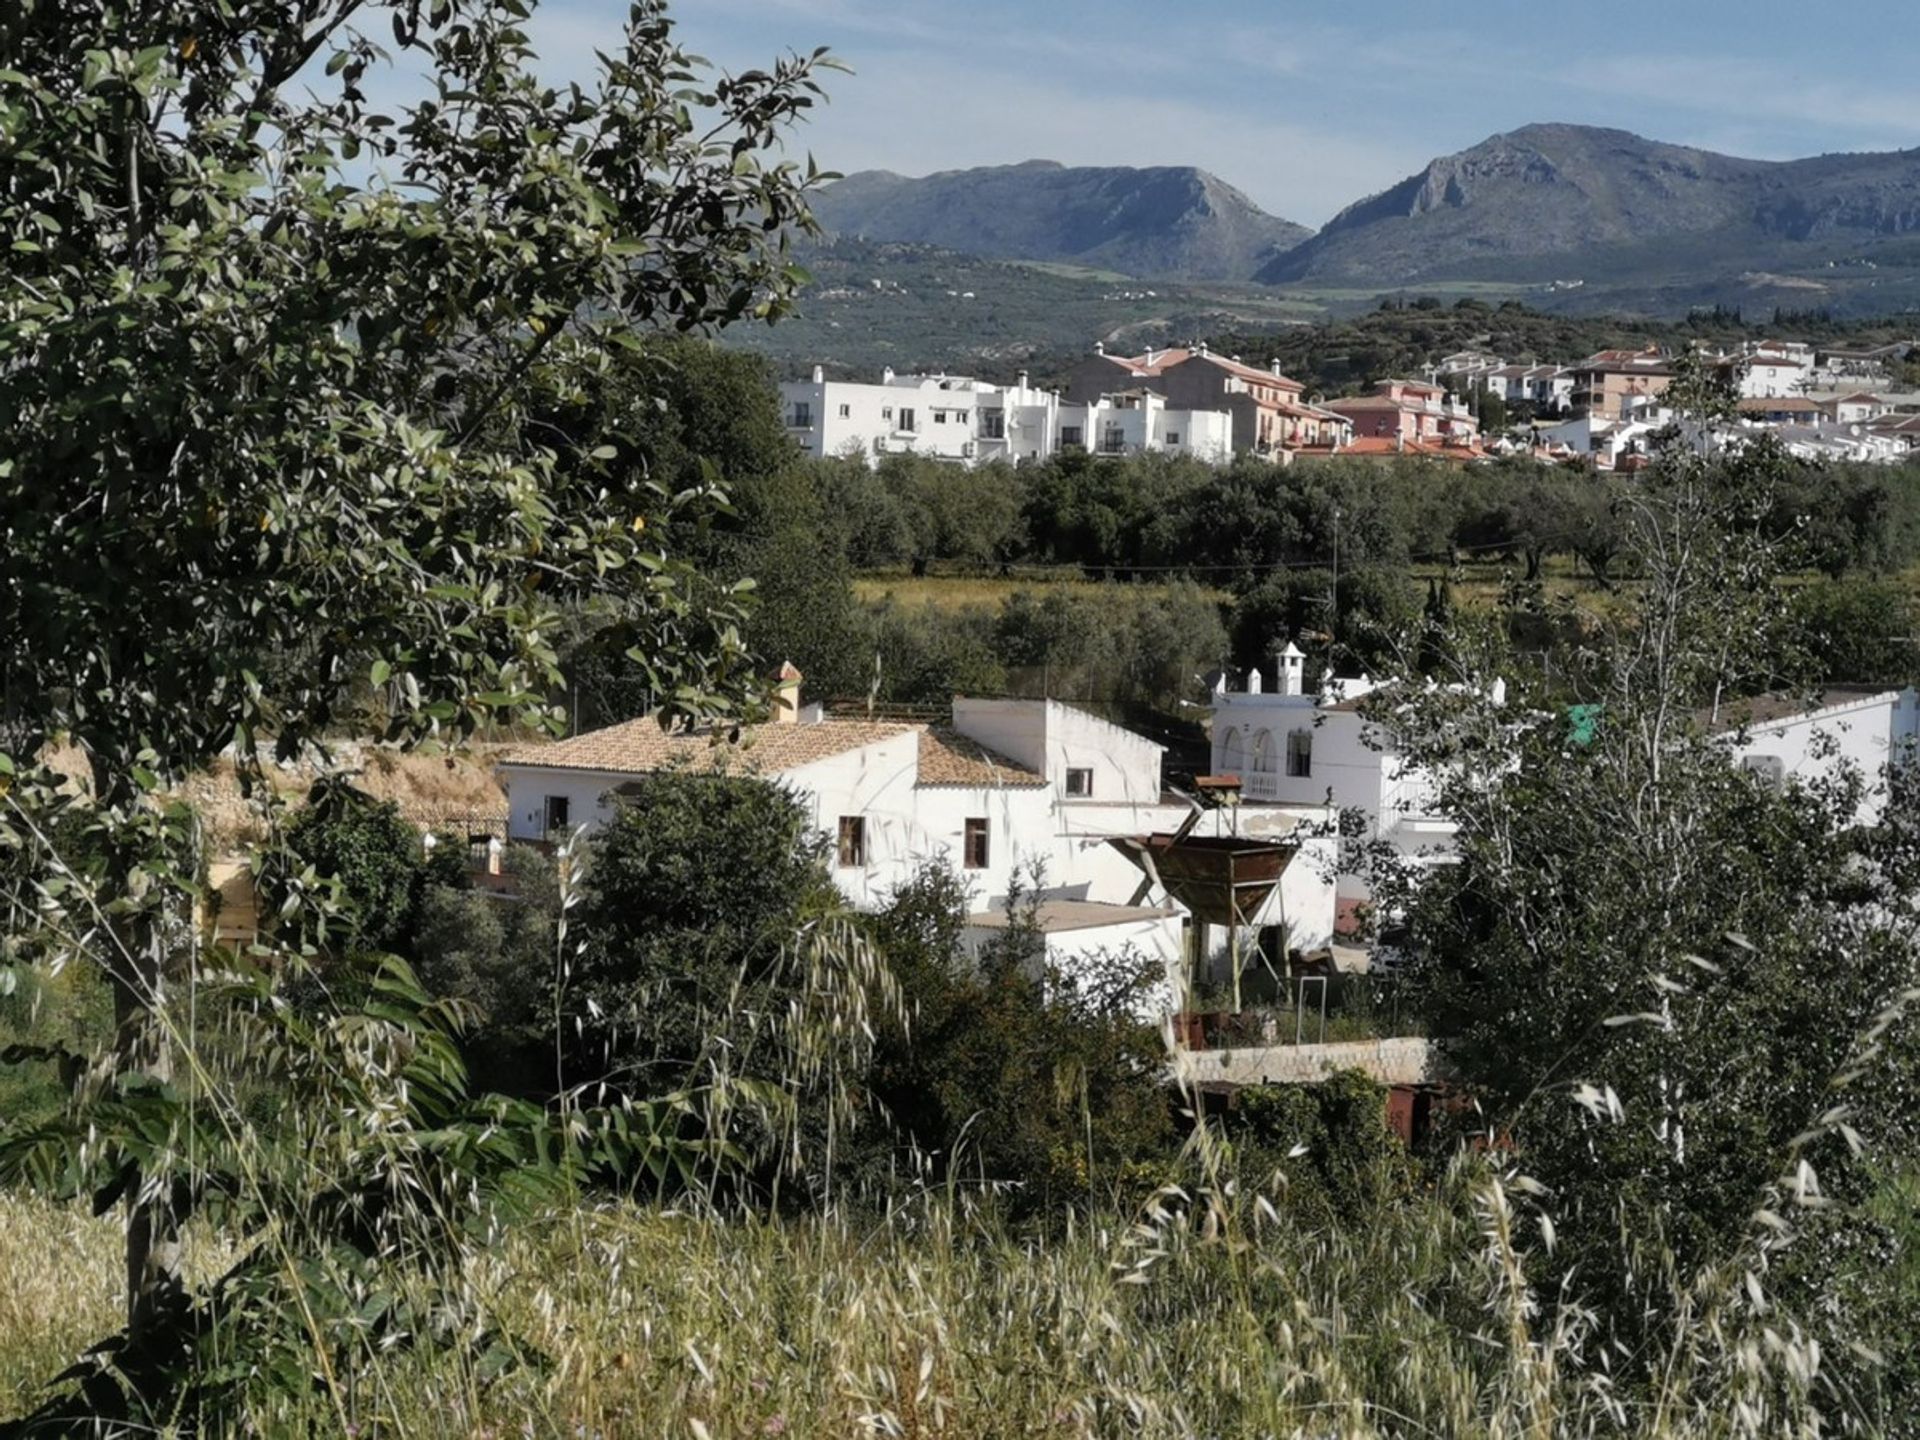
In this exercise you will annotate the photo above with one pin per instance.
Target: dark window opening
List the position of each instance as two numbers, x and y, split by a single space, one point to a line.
976 850
853 841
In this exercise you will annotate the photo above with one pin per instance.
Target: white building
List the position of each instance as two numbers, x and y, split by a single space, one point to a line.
957 418
902 415
1293 748
1014 789
1786 738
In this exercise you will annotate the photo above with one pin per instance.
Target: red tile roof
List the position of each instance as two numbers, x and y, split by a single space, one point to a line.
949 758
1164 360
640 747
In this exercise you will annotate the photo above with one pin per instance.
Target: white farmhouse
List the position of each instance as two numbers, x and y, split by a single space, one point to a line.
1013 789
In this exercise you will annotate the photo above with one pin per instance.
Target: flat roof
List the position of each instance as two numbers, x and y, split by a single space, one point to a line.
1055 916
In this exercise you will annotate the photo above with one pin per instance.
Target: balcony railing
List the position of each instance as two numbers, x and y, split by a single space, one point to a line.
1261 785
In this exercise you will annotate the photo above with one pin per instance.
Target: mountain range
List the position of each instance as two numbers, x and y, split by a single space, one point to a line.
1565 205
1169 220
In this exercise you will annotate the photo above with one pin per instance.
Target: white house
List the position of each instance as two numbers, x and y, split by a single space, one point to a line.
1293 748
1013 789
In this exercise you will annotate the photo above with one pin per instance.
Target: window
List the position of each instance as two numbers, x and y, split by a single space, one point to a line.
976 853
1262 747
906 420
846 412
886 412
853 841
939 417
1113 440
558 811
1079 784
1300 753
802 414
1173 437
1073 435
993 424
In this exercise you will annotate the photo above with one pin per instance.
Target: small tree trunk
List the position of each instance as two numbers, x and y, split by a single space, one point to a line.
143 1047
151 933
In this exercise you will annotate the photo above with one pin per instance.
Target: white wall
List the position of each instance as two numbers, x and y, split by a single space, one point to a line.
876 420
1865 735
1343 762
1081 956
1053 738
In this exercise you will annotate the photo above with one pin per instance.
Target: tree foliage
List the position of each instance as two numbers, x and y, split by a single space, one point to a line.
269 356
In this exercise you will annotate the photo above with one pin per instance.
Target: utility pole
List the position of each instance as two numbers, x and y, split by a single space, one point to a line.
1333 601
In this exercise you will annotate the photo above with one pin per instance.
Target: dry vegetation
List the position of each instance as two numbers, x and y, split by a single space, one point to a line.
1194 1318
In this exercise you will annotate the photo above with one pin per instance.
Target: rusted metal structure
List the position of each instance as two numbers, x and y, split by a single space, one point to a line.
1221 880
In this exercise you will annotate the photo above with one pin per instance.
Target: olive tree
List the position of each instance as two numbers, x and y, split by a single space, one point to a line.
267 352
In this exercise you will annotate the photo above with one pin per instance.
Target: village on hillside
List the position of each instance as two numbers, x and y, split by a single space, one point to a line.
1600 412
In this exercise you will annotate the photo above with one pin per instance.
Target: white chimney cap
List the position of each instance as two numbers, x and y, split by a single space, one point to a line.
1292 652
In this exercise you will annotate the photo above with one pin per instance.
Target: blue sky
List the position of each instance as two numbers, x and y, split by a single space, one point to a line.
1305 107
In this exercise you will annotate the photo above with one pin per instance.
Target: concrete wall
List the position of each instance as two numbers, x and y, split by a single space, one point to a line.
1400 1061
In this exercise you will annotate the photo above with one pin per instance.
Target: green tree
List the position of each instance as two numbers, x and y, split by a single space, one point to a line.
269 473
1650 966
695 898
1045 1085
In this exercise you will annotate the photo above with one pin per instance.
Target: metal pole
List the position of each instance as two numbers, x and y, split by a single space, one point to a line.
1333 619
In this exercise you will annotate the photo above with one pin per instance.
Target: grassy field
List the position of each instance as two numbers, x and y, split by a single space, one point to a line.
1185 1319
1478 583
957 592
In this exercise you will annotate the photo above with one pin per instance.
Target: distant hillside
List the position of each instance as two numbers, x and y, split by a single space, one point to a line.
1166 221
1570 203
916 307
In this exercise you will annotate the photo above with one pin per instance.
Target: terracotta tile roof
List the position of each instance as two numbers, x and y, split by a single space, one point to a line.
1370 445
1164 360
950 758
639 747
1778 404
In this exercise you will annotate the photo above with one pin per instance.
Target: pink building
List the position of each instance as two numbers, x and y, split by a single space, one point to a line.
1407 411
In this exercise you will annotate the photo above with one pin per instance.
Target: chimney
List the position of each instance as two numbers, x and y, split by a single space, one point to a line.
1253 682
1292 676
1274 364
886 375
1099 347
786 694
1202 350
819 374
1023 379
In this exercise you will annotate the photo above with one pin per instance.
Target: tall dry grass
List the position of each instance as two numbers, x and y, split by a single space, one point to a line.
1208 1316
